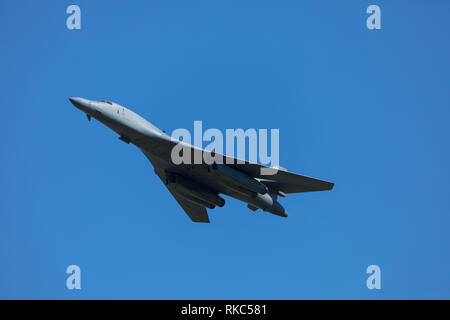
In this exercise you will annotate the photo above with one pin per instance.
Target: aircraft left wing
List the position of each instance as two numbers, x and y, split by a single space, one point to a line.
195 212
279 179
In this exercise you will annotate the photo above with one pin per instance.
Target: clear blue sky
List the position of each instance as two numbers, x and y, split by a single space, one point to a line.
368 110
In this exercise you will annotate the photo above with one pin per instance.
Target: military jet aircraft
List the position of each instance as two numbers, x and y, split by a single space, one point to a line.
196 186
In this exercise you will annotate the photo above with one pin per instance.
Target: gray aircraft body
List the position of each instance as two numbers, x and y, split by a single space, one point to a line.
197 186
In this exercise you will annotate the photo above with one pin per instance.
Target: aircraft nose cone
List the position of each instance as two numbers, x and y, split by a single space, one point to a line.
80 103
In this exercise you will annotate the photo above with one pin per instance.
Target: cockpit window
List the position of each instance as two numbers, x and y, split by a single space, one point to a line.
108 102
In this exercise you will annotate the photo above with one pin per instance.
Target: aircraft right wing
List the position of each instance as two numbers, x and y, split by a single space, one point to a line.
195 212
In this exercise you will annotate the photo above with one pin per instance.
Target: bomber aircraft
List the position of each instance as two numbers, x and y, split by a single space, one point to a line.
198 185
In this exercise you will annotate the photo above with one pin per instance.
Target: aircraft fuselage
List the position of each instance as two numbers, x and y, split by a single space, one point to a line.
156 145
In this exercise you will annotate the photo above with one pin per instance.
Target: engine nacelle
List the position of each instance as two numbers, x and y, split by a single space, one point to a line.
237 180
268 202
193 192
